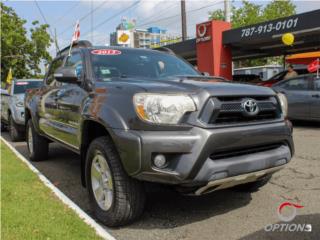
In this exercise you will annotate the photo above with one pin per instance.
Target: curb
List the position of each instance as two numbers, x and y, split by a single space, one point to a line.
67 201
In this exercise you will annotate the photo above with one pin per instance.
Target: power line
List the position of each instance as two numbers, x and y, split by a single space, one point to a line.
84 17
170 17
113 16
44 18
159 13
66 12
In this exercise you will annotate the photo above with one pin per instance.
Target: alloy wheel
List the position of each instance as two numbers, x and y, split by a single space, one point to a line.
101 180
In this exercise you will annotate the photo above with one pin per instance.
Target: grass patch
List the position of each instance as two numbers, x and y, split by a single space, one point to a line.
29 210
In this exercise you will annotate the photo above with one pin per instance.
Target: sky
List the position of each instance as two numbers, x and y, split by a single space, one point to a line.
107 14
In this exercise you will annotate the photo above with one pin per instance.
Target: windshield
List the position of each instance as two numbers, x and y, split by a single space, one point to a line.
109 64
22 86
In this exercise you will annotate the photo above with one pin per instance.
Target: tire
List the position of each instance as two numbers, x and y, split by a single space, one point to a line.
14 133
3 127
38 146
125 195
253 186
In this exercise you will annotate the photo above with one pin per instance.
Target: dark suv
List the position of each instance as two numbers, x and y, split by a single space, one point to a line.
136 115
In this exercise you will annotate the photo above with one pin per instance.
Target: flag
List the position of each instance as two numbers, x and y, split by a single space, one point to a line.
314 66
9 76
76 34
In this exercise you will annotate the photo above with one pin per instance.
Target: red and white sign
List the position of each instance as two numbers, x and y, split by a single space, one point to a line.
314 66
202 31
76 34
106 52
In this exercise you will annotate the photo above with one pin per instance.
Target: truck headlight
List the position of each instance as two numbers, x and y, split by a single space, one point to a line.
19 104
284 104
162 108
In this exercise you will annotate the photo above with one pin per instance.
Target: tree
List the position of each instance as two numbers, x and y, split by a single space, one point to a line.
18 51
277 9
251 13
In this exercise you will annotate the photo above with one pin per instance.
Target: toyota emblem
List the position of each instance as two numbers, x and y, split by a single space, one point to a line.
250 107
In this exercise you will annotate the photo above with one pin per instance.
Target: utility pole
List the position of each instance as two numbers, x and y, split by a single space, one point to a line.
227 11
183 20
56 41
92 21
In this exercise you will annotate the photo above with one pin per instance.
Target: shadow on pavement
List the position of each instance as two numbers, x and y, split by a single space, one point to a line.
313 219
169 209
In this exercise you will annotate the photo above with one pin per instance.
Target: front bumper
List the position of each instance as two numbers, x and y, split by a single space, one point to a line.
235 180
190 154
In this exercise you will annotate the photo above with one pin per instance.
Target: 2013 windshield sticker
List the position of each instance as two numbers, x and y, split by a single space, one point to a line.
22 83
106 52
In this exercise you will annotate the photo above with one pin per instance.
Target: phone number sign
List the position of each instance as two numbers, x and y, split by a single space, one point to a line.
303 22
287 25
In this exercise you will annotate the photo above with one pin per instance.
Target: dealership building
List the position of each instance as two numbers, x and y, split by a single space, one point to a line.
216 44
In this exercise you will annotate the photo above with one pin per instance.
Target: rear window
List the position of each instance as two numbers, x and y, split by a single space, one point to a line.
22 86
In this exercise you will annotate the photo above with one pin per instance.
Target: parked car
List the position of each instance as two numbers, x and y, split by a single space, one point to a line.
247 78
280 76
303 94
12 106
138 115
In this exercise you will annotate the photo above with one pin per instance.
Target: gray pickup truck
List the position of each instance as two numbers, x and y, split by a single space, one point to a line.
137 115
12 106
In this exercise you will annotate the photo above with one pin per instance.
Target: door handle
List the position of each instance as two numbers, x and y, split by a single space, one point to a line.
315 96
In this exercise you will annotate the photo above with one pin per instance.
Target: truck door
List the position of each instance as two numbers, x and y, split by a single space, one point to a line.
69 99
47 107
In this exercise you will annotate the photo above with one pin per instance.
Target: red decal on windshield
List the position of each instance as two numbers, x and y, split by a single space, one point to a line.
22 83
106 52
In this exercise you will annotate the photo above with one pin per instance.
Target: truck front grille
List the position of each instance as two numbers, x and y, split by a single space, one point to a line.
230 110
244 151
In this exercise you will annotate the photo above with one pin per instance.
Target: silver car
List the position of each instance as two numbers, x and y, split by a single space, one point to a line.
303 94
12 106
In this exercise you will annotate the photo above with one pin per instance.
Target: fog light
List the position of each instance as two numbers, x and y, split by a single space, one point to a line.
160 161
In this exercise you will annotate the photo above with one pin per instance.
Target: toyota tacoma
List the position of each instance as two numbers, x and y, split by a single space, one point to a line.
12 106
138 115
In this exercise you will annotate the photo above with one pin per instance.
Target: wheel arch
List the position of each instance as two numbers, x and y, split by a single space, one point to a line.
90 129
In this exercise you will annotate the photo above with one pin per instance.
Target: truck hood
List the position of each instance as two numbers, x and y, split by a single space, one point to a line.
214 87
18 97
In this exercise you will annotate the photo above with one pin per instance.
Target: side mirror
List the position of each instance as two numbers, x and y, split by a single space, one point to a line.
66 74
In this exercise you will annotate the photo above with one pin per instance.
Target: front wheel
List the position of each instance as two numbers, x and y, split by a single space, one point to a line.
38 146
14 132
3 127
116 198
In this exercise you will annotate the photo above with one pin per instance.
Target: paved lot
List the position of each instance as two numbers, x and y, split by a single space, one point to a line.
223 215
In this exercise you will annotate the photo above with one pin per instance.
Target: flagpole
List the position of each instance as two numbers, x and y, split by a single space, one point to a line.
71 43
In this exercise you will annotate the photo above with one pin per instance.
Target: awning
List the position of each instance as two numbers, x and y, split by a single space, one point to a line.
303 58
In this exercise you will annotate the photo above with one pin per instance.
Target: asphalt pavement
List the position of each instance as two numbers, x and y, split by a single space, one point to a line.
225 214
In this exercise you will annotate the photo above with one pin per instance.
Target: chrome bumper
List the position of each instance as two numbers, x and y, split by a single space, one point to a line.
235 180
